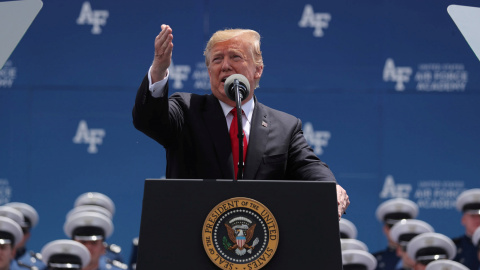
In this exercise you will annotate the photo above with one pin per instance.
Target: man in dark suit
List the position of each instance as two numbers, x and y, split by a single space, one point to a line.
194 129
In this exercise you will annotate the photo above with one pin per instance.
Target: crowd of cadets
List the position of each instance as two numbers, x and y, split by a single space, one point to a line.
412 244
87 227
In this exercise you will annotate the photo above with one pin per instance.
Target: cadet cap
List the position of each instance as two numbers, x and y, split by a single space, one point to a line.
347 229
96 198
446 265
30 215
65 254
469 201
10 231
358 259
406 229
88 226
393 210
428 247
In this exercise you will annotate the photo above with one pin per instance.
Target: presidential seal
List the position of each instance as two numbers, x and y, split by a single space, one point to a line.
240 233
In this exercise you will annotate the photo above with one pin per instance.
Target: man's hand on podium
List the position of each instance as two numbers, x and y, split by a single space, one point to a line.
342 201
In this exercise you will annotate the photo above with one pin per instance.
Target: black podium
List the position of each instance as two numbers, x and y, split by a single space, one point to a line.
175 212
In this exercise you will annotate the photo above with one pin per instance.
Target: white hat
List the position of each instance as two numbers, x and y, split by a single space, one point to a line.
396 209
476 238
347 229
88 226
355 257
348 244
430 247
89 208
7 225
29 213
95 198
469 201
404 230
65 254
446 265
12 213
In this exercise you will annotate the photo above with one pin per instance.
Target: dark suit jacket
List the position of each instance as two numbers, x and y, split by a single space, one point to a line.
193 130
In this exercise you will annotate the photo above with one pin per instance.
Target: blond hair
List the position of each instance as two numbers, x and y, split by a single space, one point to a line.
252 37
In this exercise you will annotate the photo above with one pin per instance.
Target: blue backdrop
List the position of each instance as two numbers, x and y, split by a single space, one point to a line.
388 92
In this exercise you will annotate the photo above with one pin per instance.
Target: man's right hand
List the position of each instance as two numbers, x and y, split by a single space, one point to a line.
163 54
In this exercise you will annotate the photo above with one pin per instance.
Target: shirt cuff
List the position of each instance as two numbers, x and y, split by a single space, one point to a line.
156 89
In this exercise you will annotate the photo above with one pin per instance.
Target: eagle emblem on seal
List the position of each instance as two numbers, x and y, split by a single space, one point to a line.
240 231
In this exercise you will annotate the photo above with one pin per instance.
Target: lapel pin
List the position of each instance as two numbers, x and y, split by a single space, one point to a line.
264 124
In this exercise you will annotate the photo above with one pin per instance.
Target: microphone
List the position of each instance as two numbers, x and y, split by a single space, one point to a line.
240 81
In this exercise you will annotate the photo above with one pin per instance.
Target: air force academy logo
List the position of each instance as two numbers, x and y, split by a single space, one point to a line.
317 139
319 21
96 18
240 233
92 137
400 75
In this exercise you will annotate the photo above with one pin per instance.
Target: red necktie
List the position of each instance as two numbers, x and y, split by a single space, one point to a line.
234 141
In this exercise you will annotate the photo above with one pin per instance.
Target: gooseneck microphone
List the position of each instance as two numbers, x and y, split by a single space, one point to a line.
237 89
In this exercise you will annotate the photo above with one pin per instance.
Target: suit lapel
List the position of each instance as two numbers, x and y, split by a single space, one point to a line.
215 122
257 141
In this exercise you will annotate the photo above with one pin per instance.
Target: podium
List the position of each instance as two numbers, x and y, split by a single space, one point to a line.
296 225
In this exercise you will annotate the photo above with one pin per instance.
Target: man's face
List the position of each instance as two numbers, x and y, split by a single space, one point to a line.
407 261
7 253
96 248
26 236
471 222
233 56
386 231
419 266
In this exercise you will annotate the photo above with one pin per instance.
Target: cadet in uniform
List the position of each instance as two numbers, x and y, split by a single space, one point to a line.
402 232
30 220
468 203
428 247
92 229
358 260
389 213
10 234
65 255
17 217
445 265
113 251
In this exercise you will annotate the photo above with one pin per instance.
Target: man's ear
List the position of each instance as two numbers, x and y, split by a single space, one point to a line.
258 72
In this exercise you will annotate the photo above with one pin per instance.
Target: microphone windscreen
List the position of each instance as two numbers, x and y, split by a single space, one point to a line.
229 83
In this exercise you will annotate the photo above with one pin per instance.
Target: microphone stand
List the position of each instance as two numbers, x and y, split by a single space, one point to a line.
240 135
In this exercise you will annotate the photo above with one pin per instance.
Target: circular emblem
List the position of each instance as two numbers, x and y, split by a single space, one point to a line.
240 233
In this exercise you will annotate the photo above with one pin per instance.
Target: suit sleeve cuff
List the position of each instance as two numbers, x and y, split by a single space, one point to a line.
156 89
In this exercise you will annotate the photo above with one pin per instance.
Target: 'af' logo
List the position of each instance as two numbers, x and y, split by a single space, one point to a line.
96 18
392 190
92 137
179 73
317 139
315 20
400 75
